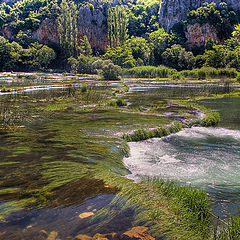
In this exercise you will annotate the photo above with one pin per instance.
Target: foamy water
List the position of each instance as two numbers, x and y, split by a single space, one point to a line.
208 158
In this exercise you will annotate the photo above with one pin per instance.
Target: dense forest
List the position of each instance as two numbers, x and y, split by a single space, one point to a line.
134 34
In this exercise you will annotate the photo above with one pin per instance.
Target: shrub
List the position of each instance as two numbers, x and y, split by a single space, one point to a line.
110 71
4 89
119 102
84 88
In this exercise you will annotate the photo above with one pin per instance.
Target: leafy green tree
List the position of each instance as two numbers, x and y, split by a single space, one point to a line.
199 61
117 26
83 64
236 32
231 43
24 38
121 56
67 22
233 58
222 17
143 17
178 58
38 56
140 48
10 54
216 57
160 40
85 47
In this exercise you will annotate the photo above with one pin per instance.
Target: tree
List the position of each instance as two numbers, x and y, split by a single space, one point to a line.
121 56
140 48
216 57
236 32
85 47
178 58
67 22
38 56
10 54
233 58
160 40
117 26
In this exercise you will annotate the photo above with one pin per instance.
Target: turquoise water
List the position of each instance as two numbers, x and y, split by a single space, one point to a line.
208 158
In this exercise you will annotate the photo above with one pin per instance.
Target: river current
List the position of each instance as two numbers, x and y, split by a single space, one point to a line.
208 158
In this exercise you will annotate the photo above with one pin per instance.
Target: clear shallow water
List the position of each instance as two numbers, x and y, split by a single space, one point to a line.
208 158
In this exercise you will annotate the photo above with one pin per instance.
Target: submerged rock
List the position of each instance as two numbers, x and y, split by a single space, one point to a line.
83 237
53 236
99 236
86 215
139 232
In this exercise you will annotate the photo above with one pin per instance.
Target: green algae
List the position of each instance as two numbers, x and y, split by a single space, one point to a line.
78 143
7 163
6 208
8 191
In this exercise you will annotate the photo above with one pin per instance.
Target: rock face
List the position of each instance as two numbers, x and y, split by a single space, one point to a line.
93 23
175 11
197 35
47 32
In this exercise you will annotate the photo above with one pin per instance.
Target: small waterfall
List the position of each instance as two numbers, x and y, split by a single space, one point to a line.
208 158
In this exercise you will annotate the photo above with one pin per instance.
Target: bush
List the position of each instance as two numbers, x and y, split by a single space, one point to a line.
119 102
110 71
4 90
84 88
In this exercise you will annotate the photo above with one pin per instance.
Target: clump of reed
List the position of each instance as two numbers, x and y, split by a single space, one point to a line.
150 72
230 230
143 134
118 103
190 204
165 72
211 119
208 73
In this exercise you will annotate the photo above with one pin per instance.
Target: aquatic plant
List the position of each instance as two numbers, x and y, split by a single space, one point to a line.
149 72
4 89
84 88
212 119
165 72
118 103
143 134
229 230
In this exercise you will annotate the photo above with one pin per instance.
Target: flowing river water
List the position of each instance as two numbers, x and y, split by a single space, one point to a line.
208 158
56 140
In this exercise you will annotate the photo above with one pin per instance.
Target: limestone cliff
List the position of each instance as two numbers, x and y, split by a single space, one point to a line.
174 11
197 34
93 22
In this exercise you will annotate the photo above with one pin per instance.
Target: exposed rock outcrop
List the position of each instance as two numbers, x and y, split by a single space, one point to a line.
93 23
174 11
47 33
197 34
